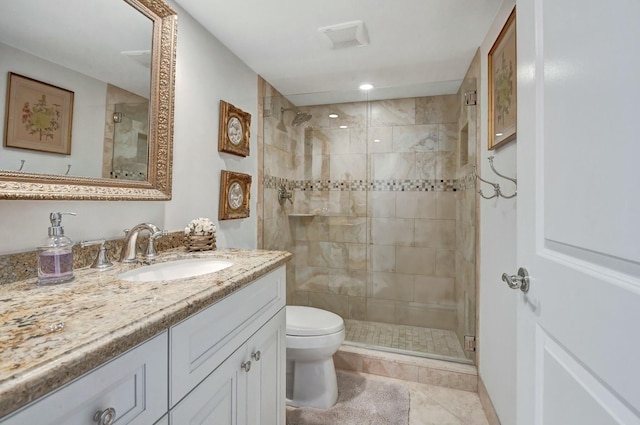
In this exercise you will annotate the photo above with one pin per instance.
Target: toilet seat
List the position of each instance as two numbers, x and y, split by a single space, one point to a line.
310 321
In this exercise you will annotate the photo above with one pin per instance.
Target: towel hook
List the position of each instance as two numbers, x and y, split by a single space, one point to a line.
496 187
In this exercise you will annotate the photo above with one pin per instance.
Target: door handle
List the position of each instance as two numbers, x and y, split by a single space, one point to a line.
518 281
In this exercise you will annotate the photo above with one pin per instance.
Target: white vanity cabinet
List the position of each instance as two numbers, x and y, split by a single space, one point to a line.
228 361
222 365
134 385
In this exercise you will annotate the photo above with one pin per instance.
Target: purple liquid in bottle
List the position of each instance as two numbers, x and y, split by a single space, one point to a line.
55 267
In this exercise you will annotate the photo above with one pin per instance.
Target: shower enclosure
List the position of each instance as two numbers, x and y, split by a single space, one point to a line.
382 215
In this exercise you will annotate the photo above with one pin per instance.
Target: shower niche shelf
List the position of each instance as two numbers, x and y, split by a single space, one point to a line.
302 215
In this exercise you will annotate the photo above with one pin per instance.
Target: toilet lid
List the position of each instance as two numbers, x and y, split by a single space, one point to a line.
309 321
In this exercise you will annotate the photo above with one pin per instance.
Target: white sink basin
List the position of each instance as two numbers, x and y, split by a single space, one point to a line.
180 269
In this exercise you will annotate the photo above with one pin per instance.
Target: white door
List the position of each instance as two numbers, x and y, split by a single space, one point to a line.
579 211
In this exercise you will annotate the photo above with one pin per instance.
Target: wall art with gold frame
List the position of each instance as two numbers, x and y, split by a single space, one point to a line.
234 131
502 85
38 115
234 195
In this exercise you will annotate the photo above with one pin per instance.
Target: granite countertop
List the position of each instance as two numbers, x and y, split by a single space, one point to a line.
50 335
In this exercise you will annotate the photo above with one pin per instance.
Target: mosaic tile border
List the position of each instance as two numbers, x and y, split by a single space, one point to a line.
417 185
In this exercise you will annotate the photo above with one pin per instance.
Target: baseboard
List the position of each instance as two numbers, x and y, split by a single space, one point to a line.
487 405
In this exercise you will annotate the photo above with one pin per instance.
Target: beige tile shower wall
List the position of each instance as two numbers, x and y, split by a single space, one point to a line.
379 255
280 142
413 233
331 248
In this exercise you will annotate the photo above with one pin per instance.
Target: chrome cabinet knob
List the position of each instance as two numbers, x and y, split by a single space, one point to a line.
246 366
519 281
105 417
256 356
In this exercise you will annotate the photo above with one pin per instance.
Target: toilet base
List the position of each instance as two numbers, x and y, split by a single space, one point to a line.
312 384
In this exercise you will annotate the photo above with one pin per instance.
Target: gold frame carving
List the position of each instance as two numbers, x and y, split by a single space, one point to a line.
504 49
228 112
19 185
226 210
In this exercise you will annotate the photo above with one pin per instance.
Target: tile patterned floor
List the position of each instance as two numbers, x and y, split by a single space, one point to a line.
404 338
432 405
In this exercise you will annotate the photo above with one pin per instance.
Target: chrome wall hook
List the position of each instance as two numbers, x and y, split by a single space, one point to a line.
497 192
22 161
68 169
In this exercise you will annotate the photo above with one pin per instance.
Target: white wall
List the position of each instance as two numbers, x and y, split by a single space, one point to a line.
497 309
206 73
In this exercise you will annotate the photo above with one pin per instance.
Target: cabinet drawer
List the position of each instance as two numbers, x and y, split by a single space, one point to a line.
134 384
203 341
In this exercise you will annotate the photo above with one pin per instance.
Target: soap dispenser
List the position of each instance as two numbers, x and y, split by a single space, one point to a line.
55 256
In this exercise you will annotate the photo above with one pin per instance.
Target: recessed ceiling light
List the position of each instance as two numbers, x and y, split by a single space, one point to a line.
366 86
344 126
333 115
498 134
376 140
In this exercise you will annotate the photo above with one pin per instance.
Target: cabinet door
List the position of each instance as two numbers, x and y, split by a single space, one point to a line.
203 341
163 421
266 379
247 388
215 401
133 384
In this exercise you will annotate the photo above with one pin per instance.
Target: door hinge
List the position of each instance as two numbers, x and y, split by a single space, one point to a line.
469 343
471 98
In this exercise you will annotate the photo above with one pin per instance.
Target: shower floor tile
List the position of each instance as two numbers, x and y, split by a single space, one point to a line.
403 338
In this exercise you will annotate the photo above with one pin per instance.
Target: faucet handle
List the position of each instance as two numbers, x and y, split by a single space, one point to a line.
102 260
151 248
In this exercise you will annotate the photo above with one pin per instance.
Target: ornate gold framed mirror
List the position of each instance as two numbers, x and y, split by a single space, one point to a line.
156 62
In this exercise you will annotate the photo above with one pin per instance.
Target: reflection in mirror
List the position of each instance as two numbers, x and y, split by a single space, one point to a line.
118 58
126 131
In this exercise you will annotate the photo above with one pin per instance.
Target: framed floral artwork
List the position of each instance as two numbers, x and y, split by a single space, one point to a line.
234 195
38 116
502 85
233 135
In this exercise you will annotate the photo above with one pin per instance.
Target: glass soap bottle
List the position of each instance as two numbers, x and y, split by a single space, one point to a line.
55 256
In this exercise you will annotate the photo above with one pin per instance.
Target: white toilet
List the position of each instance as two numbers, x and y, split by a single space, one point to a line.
313 336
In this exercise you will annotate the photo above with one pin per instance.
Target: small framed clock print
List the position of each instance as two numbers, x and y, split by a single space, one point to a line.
234 195
233 135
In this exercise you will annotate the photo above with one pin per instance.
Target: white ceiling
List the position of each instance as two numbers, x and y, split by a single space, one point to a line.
417 47
92 45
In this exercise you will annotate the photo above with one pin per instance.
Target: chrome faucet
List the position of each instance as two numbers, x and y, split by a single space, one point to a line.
283 194
129 252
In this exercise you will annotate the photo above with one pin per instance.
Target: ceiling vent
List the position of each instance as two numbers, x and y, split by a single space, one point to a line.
143 57
348 34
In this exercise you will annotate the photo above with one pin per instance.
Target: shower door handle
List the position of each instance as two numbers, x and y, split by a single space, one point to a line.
519 281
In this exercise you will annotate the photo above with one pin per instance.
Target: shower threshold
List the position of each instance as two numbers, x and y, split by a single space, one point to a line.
437 344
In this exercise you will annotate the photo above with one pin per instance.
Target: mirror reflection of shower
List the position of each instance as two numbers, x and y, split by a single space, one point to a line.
130 144
299 119
126 147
